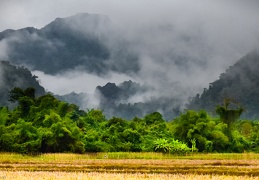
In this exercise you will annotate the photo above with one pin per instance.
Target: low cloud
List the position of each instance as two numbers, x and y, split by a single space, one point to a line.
3 49
76 81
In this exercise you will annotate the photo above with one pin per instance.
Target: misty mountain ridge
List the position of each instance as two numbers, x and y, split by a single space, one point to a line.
160 57
93 44
112 93
81 41
12 76
89 43
240 82
125 100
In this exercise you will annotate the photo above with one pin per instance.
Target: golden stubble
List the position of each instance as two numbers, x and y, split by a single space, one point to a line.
25 175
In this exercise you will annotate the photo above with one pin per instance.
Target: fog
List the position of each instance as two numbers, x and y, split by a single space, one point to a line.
177 41
76 81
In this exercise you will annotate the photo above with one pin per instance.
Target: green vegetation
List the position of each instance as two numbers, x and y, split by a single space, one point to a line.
47 125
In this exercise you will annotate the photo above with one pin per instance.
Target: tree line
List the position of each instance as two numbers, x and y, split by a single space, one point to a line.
47 125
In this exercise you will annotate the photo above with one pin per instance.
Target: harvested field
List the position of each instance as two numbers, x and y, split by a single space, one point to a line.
220 167
72 166
25 175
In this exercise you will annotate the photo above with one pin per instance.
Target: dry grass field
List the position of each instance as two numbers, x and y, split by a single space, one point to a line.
39 175
129 166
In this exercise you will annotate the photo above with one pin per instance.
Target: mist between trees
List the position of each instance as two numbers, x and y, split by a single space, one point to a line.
46 124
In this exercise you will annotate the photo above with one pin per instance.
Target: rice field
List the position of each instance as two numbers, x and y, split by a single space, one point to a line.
24 175
105 166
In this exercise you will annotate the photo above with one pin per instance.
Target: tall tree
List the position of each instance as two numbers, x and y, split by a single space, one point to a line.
229 115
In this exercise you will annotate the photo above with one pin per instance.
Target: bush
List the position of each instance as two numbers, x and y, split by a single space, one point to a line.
174 146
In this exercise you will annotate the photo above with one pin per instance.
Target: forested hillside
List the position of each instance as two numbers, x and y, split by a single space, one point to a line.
240 82
15 76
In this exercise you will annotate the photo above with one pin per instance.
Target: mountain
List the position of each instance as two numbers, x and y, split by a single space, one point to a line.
80 42
111 94
127 100
92 44
83 100
14 76
240 82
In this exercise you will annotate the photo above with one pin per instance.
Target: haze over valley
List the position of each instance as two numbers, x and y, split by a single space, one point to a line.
129 58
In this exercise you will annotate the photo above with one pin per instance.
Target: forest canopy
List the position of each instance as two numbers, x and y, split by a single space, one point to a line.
45 124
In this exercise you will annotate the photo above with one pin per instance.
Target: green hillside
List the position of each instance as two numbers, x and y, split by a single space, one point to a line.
240 82
15 76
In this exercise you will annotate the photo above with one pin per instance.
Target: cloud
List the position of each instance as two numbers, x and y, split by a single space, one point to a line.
3 49
22 13
183 42
76 81
195 42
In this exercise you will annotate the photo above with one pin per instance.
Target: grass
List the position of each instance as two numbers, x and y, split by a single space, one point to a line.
127 155
127 165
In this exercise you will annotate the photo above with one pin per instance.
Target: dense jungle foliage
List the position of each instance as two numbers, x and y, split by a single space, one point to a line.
45 124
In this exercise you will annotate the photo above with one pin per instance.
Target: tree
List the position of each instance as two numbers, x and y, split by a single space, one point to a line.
27 138
61 135
154 118
208 133
7 140
4 115
25 103
229 115
30 92
16 93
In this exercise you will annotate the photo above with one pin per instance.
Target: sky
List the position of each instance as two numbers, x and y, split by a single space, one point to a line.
212 34
21 13
17 14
